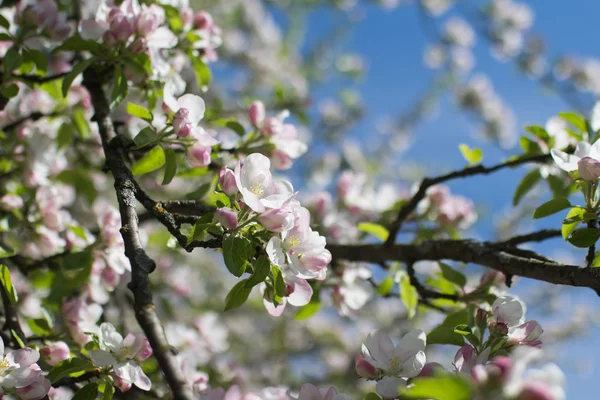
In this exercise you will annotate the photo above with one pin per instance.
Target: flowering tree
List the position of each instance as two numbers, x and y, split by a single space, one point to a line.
151 249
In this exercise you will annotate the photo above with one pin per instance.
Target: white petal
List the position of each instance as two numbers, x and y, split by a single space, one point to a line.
23 357
102 358
195 105
566 162
142 381
583 149
595 119
110 337
275 252
169 96
413 341
162 38
388 387
272 310
127 371
302 293
92 30
413 366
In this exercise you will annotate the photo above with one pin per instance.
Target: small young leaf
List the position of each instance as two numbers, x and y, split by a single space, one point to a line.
385 286
538 131
451 387
551 207
584 237
144 137
574 119
152 161
4 22
573 219
473 156
171 166
77 69
69 367
139 111
202 72
444 335
6 281
120 88
237 295
88 392
526 184
453 275
409 296
376 230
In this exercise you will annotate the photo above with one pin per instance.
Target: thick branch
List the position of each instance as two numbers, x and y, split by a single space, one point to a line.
482 253
141 263
409 207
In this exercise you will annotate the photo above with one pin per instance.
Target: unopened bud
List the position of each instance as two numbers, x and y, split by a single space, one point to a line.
199 156
364 369
138 46
226 217
203 20
181 124
227 181
429 370
500 367
499 329
256 113
589 169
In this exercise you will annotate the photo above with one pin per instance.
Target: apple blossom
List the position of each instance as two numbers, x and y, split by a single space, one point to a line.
466 358
120 353
510 311
298 293
227 181
226 217
11 202
311 392
571 162
55 352
18 370
188 109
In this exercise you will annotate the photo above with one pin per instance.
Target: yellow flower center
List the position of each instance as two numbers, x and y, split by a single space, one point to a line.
293 241
395 364
4 364
258 189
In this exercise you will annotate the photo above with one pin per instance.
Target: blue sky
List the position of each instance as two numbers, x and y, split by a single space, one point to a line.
393 43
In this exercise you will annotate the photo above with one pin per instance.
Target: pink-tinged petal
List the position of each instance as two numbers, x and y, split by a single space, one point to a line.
102 358
589 169
23 357
465 358
388 387
24 376
195 105
309 392
92 30
162 38
233 393
328 393
142 381
414 365
272 310
364 368
302 293
127 371
528 332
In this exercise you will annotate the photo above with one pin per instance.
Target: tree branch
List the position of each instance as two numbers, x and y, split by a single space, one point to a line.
483 253
141 264
409 207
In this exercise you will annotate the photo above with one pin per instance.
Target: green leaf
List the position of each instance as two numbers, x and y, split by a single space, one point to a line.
73 366
171 167
10 90
526 184
202 72
39 326
199 229
584 237
262 266
372 396
232 124
4 22
278 281
529 146
81 123
77 43
65 135
80 179
5 252
237 250
453 275
12 60
38 58
74 73
145 137
376 230
151 161
538 131
444 335
237 295
473 156
120 88
109 391
462 329
551 207
385 286
409 296
451 387
574 119
139 111
307 311
575 215
6 281
88 392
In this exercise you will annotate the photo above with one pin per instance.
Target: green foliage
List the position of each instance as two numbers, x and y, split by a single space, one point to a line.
151 161
311 308
202 72
120 88
88 392
73 367
409 295
170 167
551 207
261 269
473 156
385 286
6 282
584 237
575 119
136 110
237 295
237 251
527 183
78 69
200 227
232 124
449 387
376 230
453 275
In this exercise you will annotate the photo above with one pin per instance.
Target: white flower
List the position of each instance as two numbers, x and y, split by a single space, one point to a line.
570 162
509 310
406 359
18 368
119 353
255 183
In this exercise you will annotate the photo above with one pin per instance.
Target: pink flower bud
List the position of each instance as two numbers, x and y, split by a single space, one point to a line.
121 27
227 181
122 384
55 352
589 168
109 38
535 391
256 113
226 217
364 369
199 156
181 123
500 367
492 278
429 369
479 374
277 220
147 23
203 20
481 317
271 126
11 202
138 46
499 328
